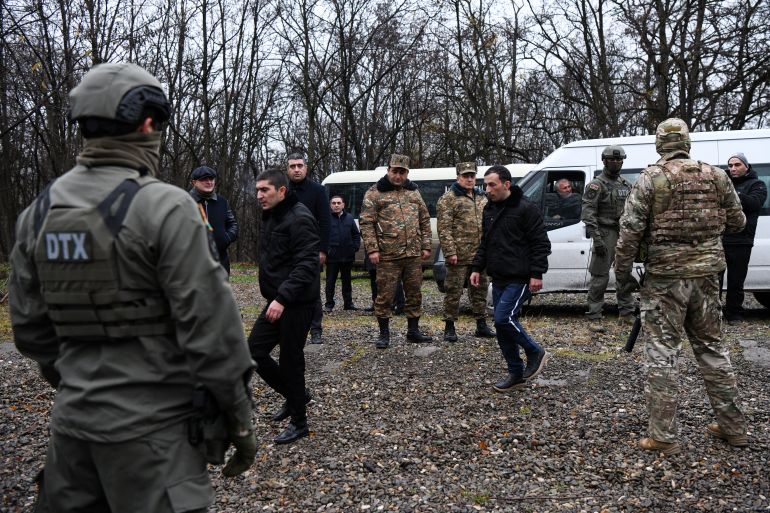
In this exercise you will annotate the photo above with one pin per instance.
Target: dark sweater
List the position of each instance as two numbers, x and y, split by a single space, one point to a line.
344 238
752 192
514 243
288 254
314 196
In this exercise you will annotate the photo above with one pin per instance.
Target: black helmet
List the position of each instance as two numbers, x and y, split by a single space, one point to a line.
614 152
117 95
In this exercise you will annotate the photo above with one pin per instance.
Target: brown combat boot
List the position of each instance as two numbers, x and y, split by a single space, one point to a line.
667 448
715 430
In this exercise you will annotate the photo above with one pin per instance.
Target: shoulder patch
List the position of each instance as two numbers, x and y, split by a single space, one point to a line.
595 186
592 191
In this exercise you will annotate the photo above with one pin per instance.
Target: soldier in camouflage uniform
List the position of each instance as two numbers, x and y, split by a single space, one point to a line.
395 227
459 215
603 204
679 209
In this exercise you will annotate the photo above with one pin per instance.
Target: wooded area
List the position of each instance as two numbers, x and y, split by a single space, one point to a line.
350 81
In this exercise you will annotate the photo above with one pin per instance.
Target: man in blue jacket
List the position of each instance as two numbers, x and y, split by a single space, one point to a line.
514 251
314 196
344 241
752 192
216 210
288 280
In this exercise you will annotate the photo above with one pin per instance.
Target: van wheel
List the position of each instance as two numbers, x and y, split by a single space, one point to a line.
763 298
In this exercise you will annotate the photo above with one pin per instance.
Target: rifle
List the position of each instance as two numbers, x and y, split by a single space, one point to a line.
637 327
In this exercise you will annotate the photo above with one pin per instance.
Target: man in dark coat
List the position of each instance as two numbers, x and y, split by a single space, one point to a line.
288 280
216 211
315 197
344 241
514 251
752 192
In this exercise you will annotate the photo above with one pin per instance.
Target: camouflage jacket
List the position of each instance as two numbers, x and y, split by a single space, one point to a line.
651 197
394 221
603 203
459 222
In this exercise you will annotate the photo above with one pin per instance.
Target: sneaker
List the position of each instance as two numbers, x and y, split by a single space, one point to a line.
536 364
350 307
715 430
328 309
667 448
315 338
509 384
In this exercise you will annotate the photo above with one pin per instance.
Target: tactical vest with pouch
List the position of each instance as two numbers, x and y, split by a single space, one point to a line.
77 267
687 207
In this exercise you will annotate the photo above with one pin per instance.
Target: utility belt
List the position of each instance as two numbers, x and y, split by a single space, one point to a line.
207 426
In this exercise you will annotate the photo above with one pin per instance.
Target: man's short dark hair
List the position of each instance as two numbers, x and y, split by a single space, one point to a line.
337 196
501 172
275 177
296 155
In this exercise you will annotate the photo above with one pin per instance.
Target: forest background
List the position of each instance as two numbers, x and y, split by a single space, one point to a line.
350 81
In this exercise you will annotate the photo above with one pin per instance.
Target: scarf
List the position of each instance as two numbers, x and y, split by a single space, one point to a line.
140 151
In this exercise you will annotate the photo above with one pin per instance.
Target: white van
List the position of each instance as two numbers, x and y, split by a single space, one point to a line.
581 161
431 182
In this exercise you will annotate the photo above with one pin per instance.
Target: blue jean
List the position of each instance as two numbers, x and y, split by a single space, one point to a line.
508 300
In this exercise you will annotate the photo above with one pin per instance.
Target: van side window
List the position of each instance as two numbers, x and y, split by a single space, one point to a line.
559 195
763 173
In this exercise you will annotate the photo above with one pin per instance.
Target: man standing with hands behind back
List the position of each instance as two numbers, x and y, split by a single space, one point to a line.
314 196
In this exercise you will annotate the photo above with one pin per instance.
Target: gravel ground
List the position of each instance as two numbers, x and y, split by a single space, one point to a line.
418 427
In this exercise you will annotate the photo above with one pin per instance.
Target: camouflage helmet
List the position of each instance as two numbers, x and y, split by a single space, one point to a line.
614 152
671 135
119 93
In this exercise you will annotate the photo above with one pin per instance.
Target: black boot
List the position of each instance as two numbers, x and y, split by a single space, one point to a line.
413 333
482 330
383 341
285 412
449 331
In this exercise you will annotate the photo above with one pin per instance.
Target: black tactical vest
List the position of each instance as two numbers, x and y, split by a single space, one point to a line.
77 267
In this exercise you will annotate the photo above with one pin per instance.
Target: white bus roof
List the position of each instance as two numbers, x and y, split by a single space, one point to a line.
417 174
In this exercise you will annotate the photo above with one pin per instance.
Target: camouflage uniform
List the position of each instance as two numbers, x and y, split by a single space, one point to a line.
396 222
602 207
679 208
459 218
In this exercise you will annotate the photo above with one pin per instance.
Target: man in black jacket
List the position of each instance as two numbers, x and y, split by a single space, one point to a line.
752 192
288 280
314 196
216 210
344 241
514 251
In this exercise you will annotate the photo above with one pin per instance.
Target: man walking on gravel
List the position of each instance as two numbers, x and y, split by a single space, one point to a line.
514 251
117 293
288 280
395 227
679 208
459 232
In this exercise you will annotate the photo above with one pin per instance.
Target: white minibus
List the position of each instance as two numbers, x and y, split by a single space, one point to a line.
581 161
431 182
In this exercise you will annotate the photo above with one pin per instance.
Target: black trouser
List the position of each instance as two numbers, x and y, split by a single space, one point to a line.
318 312
737 267
399 301
332 270
287 376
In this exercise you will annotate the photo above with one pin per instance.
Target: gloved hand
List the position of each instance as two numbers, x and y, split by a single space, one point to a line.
599 248
626 279
240 430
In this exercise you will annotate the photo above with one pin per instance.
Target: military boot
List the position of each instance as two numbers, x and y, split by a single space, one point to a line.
413 333
482 330
383 341
449 331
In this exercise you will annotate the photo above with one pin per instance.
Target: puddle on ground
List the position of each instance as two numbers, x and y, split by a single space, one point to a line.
755 354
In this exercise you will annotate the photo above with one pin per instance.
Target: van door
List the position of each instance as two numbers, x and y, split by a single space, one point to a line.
558 194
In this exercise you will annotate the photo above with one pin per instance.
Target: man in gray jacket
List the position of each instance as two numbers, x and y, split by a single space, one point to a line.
115 291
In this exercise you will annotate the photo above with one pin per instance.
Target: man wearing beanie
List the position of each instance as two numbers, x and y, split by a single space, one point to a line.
215 210
752 192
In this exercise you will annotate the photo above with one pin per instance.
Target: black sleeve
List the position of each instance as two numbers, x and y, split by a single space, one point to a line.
231 225
752 201
540 245
356 235
324 216
303 238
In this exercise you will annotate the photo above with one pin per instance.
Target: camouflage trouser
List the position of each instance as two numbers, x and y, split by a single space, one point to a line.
456 276
388 273
670 309
599 267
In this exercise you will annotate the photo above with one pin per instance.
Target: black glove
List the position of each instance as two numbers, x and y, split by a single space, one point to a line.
240 430
599 248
